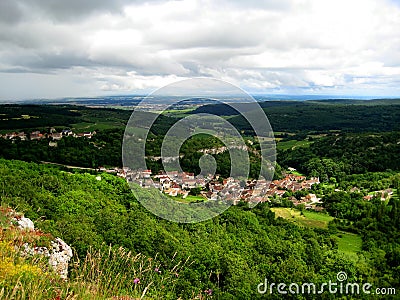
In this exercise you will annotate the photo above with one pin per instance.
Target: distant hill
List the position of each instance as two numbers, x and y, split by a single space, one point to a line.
324 115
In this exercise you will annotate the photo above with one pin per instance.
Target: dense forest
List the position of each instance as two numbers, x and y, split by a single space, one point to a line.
291 116
337 155
323 116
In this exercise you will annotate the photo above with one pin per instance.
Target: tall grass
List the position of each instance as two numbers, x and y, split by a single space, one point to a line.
106 273
113 272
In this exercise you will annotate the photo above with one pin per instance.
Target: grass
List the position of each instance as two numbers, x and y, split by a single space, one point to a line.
137 131
316 216
178 113
308 219
86 126
293 144
191 198
349 244
188 199
297 173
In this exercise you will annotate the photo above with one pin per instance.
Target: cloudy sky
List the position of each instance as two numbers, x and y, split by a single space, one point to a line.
57 48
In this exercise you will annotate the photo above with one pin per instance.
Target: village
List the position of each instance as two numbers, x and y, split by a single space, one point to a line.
51 134
212 187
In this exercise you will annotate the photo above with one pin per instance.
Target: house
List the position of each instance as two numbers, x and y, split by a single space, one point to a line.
166 184
280 192
36 135
189 176
368 197
86 134
354 190
22 136
67 132
56 136
10 136
189 184
212 195
146 173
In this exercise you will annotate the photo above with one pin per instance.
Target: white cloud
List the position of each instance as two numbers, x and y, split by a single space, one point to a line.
342 46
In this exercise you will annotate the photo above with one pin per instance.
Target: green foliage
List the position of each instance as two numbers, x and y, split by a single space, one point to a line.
296 116
344 154
230 254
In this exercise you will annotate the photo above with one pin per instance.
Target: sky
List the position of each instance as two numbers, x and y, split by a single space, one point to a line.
75 48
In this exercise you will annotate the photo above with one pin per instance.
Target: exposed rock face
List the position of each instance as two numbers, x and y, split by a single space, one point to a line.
24 223
60 255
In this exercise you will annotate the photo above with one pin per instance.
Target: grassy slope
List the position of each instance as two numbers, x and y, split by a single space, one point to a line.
309 219
285 145
348 243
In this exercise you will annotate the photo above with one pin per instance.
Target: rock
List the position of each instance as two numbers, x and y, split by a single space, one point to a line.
27 250
25 223
60 256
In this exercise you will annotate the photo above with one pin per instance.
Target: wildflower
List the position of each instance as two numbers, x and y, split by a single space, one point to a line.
157 270
176 275
209 292
136 281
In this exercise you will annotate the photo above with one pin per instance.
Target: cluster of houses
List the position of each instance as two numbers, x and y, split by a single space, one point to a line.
51 134
382 195
291 182
215 188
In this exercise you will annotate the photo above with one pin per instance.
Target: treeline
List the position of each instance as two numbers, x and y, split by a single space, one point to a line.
20 117
343 154
378 223
104 149
291 116
231 254
28 117
296 116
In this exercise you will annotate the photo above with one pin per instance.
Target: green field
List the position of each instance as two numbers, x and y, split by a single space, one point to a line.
349 244
308 219
293 144
79 127
188 199
191 198
297 173
178 113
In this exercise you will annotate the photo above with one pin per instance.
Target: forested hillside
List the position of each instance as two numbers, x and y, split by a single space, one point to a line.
230 254
343 154
322 116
